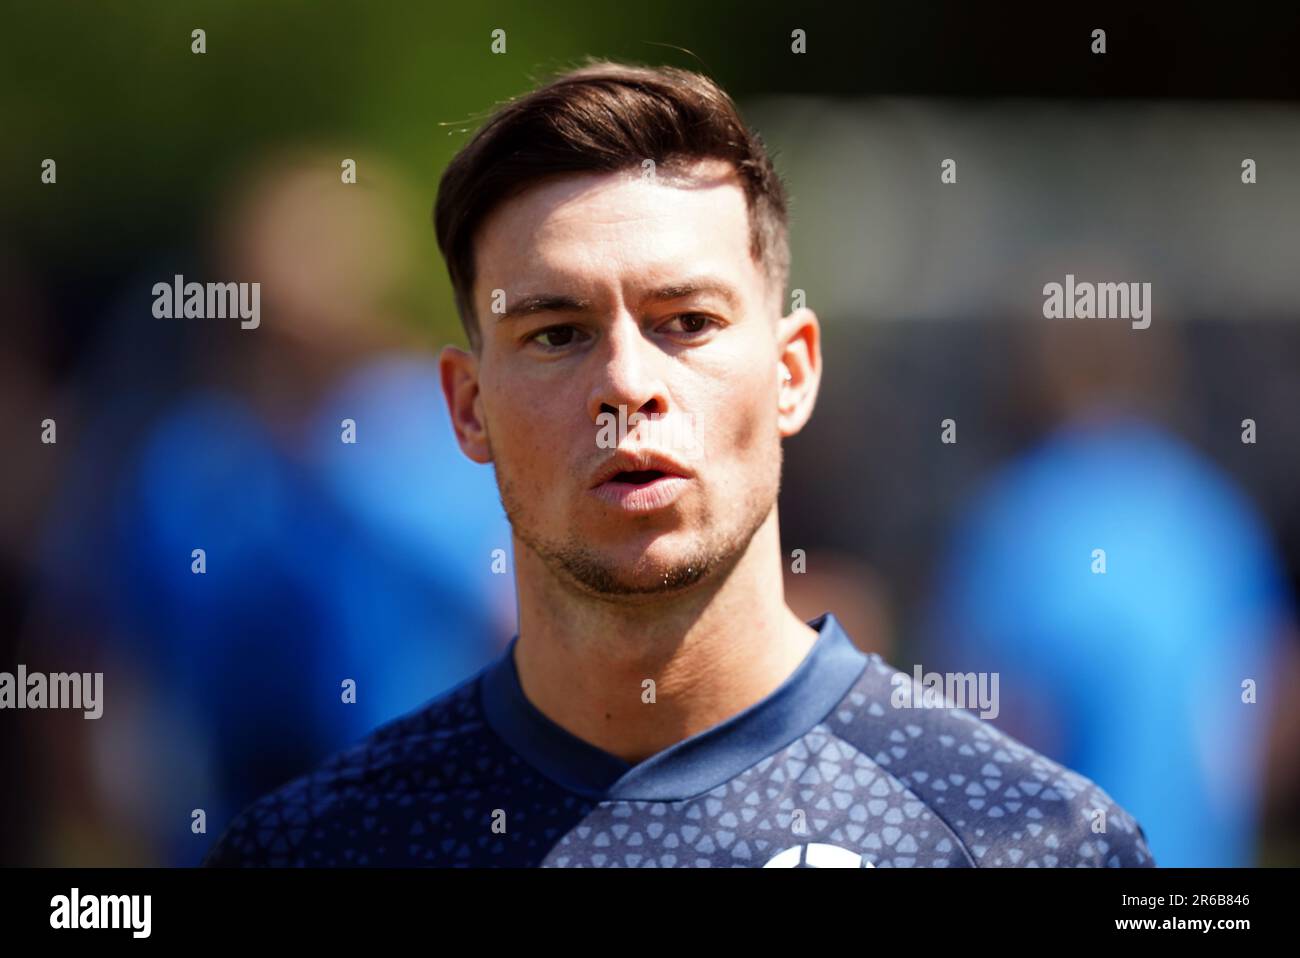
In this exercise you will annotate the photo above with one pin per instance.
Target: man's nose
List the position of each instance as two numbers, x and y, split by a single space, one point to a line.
629 373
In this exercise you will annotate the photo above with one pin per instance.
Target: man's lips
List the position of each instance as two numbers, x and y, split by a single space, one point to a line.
637 467
640 481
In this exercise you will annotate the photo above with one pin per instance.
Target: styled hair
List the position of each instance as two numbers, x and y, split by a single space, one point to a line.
605 117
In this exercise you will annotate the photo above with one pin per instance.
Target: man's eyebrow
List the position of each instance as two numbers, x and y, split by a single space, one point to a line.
695 287
560 303
545 303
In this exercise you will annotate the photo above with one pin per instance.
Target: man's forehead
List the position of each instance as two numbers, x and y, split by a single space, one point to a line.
662 229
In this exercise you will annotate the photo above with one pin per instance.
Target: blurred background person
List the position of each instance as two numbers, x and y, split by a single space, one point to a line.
29 398
326 559
1135 676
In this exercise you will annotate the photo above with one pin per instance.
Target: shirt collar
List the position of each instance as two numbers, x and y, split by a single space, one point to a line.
693 765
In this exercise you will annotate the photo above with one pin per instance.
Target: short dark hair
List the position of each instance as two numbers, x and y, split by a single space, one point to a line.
605 117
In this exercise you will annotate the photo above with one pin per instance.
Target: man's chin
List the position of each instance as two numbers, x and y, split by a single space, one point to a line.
641 562
623 577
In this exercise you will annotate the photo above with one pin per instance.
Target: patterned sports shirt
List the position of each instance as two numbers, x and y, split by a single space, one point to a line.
823 772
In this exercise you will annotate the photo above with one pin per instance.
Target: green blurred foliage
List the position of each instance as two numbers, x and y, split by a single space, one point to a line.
146 133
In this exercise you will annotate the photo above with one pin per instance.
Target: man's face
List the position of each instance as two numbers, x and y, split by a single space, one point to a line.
620 295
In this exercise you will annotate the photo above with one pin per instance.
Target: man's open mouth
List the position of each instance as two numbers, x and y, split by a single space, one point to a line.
640 482
638 469
638 478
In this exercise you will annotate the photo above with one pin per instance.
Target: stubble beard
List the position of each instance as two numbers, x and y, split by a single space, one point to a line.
715 550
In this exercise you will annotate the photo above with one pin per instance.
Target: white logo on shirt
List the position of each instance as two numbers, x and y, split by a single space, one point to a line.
818 855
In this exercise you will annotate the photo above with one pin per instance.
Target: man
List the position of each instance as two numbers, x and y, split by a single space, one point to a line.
617 245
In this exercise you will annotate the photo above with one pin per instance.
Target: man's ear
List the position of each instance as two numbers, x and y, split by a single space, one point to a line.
459 373
799 369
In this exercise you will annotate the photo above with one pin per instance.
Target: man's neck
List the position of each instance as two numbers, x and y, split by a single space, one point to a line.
710 653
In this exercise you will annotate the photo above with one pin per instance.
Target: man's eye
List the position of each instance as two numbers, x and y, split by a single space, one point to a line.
691 322
555 337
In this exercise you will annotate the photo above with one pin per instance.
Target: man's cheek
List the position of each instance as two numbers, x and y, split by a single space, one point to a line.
751 420
722 410
537 456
